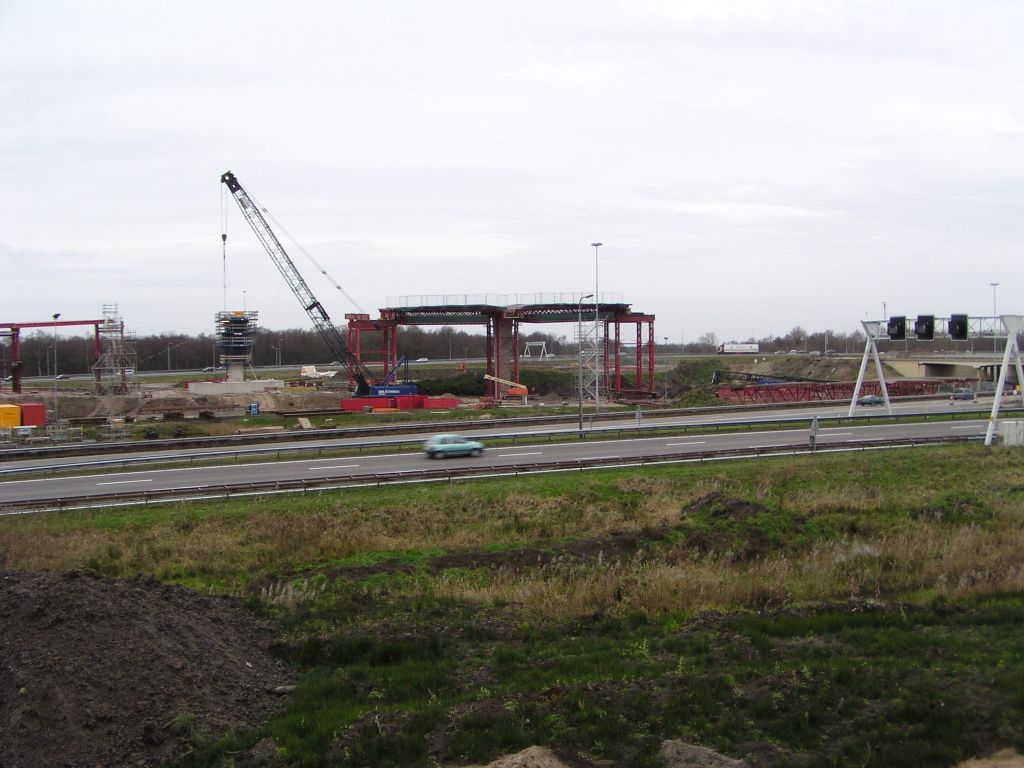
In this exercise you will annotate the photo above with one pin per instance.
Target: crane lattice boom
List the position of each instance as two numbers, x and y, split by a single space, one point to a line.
334 338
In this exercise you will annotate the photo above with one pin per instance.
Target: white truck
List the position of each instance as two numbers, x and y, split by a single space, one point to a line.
738 349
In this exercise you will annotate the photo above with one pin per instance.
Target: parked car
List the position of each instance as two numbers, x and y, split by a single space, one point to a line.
443 446
963 393
871 400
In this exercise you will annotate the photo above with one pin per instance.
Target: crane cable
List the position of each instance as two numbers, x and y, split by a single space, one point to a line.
224 241
313 261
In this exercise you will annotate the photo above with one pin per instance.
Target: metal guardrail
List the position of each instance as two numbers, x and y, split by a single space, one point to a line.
227 491
633 430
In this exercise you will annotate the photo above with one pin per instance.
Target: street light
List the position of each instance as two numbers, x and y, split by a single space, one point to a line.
55 316
995 333
579 345
666 373
597 335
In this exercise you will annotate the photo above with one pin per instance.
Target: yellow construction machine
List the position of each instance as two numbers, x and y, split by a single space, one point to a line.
515 389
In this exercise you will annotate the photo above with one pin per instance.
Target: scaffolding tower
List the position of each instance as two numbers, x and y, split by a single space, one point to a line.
236 336
115 365
588 342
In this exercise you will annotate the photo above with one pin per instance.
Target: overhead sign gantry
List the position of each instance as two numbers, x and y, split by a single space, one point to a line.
957 328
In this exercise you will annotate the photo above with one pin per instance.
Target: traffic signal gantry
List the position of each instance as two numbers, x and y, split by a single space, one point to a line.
955 327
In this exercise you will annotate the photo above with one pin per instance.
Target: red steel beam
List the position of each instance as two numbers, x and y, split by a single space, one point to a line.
15 329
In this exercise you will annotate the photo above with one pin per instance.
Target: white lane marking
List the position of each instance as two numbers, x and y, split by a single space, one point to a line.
829 433
593 458
533 453
971 426
698 442
125 482
334 466
291 462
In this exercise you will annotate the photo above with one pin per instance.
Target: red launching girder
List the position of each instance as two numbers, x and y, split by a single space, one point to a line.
15 334
795 392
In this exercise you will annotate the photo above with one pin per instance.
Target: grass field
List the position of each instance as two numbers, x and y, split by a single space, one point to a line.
847 610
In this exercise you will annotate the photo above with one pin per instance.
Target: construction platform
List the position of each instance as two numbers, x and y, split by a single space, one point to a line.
502 314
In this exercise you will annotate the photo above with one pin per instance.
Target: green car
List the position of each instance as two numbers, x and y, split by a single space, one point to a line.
442 446
871 400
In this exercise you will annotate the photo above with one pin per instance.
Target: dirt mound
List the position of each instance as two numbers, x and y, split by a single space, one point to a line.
679 753
98 671
673 753
717 506
1008 758
534 757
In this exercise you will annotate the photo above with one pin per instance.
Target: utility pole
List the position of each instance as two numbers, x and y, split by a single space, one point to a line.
597 333
579 347
55 316
995 327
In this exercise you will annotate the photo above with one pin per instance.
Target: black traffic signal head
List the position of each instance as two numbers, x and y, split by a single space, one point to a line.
958 327
897 328
924 327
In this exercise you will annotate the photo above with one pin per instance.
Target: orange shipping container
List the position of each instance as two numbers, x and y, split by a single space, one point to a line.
10 416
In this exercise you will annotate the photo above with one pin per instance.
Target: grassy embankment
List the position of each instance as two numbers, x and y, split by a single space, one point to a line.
842 610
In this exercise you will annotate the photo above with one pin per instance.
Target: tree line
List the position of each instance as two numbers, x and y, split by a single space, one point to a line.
295 346
798 340
291 347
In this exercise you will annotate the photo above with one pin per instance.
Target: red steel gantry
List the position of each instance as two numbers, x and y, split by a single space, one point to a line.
502 320
14 331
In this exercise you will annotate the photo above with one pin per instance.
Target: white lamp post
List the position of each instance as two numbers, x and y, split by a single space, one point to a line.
579 345
995 334
597 333
55 316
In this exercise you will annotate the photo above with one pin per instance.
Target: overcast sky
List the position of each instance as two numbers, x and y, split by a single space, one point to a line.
749 166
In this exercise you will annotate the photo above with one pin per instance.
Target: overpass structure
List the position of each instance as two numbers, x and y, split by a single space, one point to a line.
374 342
952 365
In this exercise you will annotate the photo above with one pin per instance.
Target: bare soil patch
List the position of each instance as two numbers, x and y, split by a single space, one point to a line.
1006 758
604 549
103 672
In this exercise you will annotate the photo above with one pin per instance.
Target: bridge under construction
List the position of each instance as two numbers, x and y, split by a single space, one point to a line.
602 329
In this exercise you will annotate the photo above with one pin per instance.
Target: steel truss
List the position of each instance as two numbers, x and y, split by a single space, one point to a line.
797 392
601 340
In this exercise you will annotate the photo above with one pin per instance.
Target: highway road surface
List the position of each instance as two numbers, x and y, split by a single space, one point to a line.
594 448
496 430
